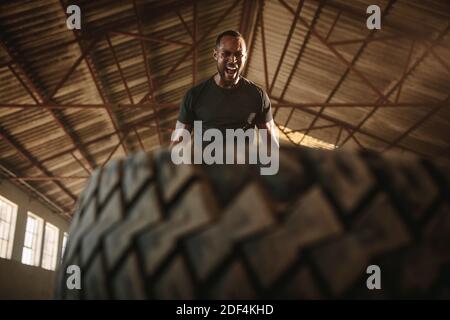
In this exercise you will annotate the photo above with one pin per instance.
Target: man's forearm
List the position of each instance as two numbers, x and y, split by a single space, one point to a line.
271 134
177 134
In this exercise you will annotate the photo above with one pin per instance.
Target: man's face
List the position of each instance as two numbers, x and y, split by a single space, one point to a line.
231 57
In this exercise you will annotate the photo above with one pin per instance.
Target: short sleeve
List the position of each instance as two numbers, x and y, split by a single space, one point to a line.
266 108
186 115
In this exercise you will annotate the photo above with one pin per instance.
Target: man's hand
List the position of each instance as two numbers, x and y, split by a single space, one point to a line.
177 133
272 137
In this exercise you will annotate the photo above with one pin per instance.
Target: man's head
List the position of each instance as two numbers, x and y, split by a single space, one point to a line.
231 54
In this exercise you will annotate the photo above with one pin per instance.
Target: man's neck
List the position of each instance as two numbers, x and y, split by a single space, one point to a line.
226 85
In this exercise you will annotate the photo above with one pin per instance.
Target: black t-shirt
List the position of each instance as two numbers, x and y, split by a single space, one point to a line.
220 108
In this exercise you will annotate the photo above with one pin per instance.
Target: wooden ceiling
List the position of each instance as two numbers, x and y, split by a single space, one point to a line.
71 100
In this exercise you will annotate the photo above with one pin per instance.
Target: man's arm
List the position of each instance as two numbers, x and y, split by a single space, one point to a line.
184 121
265 121
177 134
271 132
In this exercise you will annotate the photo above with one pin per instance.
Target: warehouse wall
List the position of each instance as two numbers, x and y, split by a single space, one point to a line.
19 281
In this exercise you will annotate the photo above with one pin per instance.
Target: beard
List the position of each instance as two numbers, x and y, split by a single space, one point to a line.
227 76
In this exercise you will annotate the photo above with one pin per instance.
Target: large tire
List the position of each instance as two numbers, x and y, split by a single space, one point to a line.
146 228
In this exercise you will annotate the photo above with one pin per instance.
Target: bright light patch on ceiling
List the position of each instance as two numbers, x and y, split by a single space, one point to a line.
287 135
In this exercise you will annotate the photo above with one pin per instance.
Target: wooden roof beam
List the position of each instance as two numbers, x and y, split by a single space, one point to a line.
335 52
248 22
90 66
286 43
347 125
402 79
185 25
351 65
358 143
30 93
298 59
162 106
328 126
209 29
149 11
333 25
263 40
140 36
302 48
338 137
46 178
405 69
43 99
441 61
83 55
40 195
148 73
26 155
122 76
143 121
378 39
416 125
194 37
251 42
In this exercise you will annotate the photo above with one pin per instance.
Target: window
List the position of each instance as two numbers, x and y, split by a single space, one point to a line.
64 244
50 251
8 215
33 239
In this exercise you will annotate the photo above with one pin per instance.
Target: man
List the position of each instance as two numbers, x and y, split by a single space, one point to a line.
226 100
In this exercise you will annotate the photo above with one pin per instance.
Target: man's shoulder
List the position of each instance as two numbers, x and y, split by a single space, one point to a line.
198 87
253 86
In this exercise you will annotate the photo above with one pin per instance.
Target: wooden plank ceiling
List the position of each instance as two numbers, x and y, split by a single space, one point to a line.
72 100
